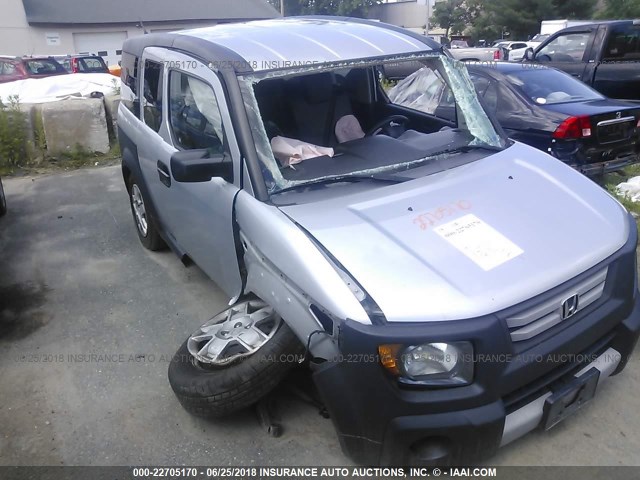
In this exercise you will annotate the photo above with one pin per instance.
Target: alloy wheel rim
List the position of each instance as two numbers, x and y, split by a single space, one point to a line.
238 332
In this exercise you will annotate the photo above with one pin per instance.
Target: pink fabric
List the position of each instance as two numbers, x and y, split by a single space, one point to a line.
348 128
290 151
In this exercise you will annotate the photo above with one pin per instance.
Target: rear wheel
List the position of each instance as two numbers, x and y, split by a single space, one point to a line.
145 224
233 360
3 200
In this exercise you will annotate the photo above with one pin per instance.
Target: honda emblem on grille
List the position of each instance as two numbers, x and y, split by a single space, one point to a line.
570 307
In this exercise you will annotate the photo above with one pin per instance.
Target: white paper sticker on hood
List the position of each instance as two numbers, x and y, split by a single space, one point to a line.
487 247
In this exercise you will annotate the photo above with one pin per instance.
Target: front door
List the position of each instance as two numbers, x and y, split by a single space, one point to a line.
567 52
198 216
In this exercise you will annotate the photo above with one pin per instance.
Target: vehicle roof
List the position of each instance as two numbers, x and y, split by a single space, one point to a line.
27 57
288 42
578 28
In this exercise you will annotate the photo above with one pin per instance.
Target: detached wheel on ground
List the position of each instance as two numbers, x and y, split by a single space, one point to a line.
3 200
233 360
145 224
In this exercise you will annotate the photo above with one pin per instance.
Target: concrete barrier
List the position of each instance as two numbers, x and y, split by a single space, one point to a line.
111 103
69 124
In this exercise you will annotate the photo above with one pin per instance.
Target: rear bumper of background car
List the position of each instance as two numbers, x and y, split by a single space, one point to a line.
380 421
601 168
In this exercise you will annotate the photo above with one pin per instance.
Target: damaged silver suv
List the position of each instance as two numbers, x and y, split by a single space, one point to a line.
450 289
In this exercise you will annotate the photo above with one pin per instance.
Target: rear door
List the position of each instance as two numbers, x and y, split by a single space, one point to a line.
568 51
617 70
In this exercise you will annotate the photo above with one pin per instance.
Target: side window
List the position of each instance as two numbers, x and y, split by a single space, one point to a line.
486 89
129 77
195 118
152 95
480 83
569 47
623 44
427 93
491 97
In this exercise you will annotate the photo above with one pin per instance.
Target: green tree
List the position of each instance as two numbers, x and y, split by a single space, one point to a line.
452 15
617 9
521 18
354 8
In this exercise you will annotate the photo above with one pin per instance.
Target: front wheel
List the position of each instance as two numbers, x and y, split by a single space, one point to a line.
233 360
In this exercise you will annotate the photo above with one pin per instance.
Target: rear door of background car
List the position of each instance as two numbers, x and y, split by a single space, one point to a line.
614 70
517 118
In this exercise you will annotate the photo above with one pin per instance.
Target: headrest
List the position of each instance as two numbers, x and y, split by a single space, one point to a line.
317 88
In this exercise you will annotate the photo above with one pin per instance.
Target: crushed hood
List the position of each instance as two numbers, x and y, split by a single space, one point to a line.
472 240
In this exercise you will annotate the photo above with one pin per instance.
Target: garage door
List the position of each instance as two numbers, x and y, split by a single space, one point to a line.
106 44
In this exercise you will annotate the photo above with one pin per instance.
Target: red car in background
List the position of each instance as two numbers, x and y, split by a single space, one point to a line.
82 63
21 68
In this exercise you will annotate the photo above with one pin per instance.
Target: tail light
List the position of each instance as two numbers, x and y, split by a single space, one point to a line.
573 127
496 54
74 65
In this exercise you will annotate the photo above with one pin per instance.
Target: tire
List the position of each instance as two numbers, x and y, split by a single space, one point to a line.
3 200
145 224
209 391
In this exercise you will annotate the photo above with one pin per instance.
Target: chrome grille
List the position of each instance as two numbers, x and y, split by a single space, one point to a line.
542 317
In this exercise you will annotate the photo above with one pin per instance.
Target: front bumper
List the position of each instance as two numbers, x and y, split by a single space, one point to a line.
380 421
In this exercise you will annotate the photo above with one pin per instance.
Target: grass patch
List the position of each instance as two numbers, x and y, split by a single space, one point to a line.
612 180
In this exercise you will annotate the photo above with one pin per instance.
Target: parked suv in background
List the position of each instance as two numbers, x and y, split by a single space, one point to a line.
450 289
21 68
604 55
83 63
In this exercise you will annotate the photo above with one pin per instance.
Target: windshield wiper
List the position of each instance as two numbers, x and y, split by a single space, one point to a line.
466 149
376 177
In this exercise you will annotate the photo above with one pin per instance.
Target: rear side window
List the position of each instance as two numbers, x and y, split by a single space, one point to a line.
623 44
152 95
92 64
129 76
7 68
194 113
40 67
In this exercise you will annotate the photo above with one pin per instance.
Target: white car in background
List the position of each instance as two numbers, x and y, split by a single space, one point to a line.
517 54
515 50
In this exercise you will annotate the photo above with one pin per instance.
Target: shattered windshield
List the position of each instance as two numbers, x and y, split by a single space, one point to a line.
361 120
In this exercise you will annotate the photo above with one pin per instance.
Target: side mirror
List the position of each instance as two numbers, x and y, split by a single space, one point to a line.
189 166
528 54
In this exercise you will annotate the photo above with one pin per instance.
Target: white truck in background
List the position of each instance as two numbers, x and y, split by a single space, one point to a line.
548 27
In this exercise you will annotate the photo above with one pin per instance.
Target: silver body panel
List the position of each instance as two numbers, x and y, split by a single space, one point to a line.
282 43
286 251
560 220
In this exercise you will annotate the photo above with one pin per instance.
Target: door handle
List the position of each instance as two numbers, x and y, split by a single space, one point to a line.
163 174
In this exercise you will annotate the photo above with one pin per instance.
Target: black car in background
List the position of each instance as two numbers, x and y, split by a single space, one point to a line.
556 113
3 200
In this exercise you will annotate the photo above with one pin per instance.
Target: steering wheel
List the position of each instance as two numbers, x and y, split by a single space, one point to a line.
386 126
